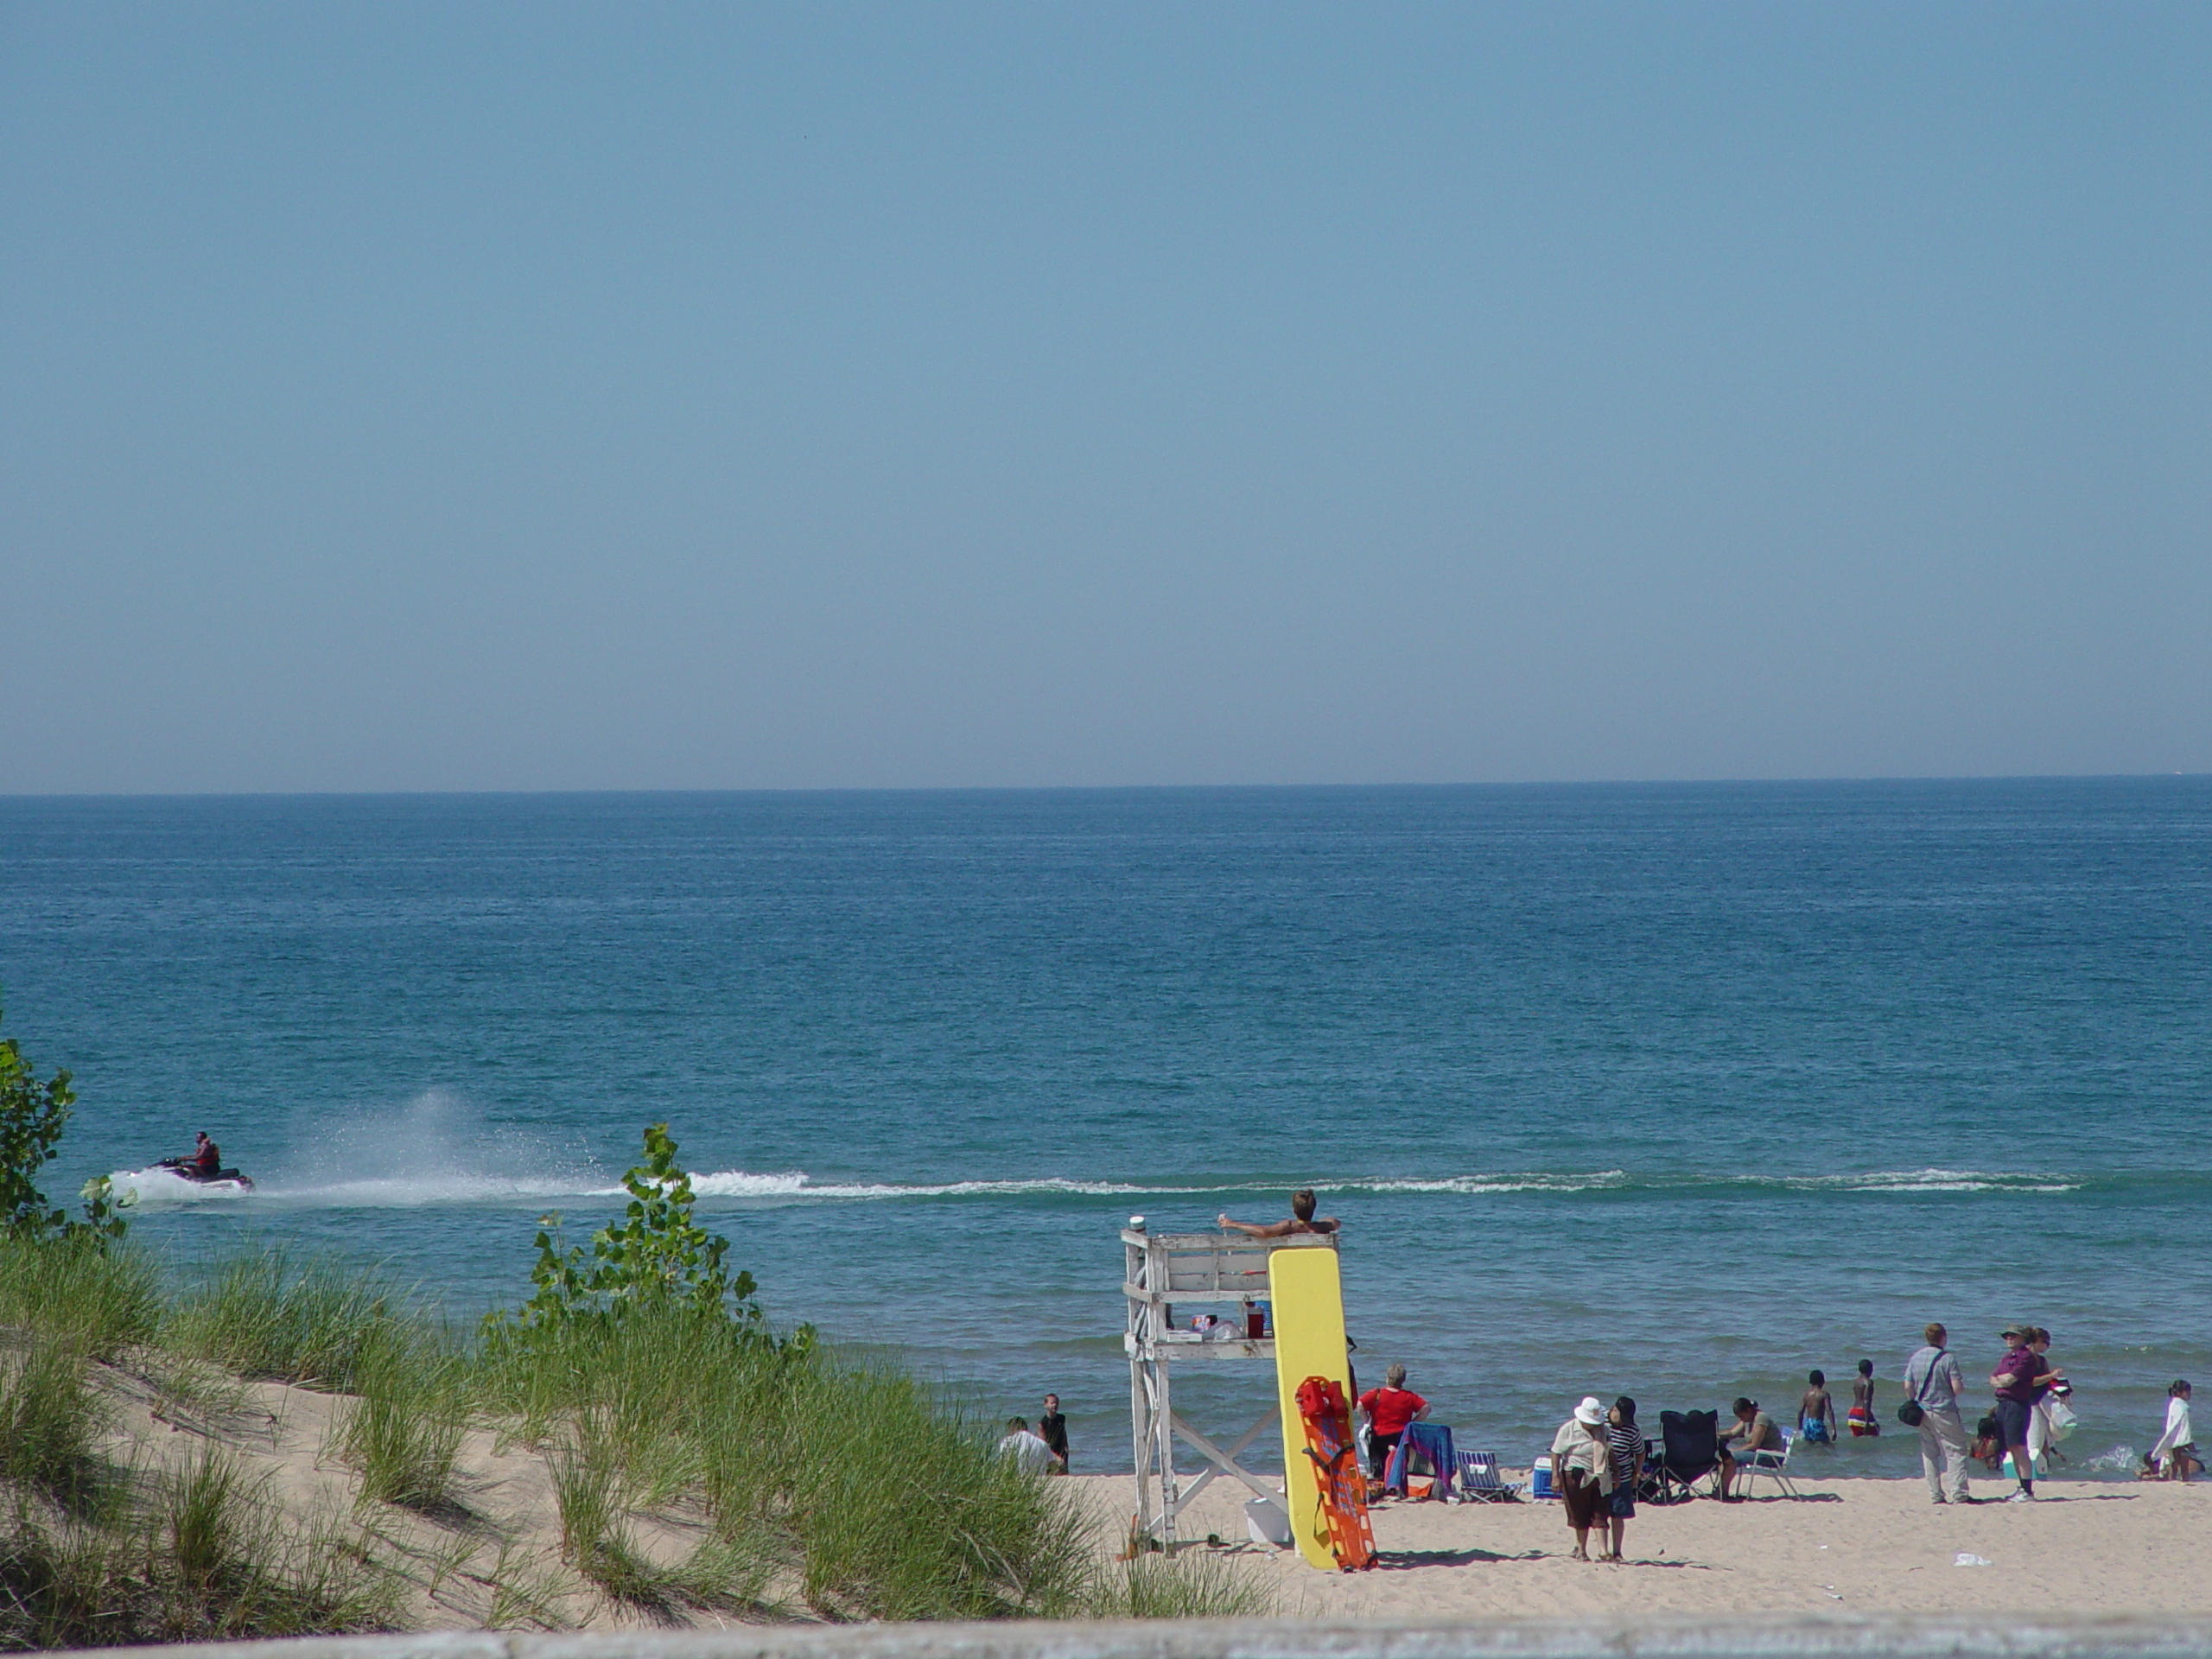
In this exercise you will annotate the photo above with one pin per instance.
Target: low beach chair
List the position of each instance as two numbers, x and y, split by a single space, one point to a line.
1480 1481
1773 1464
1690 1450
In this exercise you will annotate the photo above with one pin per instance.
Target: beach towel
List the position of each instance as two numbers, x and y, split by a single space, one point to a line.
1434 1442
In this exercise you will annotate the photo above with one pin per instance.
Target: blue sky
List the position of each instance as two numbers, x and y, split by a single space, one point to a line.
608 397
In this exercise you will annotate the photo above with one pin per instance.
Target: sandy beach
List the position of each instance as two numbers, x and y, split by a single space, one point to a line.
1843 1547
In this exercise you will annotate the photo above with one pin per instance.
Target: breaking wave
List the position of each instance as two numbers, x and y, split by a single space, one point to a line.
792 1186
435 1149
795 1183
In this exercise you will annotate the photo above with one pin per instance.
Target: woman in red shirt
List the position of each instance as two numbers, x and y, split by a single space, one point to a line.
1389 1409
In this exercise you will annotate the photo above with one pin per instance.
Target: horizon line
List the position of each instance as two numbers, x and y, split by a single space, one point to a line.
1808 780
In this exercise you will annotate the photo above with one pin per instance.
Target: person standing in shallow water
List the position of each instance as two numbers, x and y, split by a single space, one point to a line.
1862 1419
1816 1412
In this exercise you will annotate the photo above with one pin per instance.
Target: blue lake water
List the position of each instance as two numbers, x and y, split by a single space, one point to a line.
1673 1091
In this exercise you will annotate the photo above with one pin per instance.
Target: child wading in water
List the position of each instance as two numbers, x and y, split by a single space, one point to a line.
1861 1418
1817 1412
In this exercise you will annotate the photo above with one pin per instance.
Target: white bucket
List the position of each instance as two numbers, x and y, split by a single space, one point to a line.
1267 1522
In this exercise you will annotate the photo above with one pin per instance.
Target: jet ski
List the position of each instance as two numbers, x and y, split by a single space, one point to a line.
191 1171
177 1180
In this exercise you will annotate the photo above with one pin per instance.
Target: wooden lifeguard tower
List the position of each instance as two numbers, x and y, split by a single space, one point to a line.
1204 1270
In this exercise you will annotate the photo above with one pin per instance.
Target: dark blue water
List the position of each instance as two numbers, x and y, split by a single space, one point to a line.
1673 1091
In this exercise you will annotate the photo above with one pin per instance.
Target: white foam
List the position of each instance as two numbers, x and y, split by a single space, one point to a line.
1595 1180
1930 1180
155 1188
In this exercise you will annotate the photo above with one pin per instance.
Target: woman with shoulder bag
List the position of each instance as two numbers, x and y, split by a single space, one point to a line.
1932 1387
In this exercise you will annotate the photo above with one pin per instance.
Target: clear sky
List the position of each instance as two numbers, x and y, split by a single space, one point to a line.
443 397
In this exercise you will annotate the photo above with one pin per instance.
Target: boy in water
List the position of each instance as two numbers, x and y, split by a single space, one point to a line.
1816 1412
1861 1418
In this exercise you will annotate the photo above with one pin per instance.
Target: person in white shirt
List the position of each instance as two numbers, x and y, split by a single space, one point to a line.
1030 1454
2175 1455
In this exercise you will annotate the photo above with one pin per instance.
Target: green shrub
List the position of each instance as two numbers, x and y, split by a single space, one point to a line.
32 1117
658 1257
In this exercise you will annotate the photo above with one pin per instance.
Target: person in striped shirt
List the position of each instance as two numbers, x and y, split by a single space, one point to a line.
1625 1441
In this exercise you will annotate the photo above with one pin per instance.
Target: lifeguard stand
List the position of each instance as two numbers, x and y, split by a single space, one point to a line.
1160 1270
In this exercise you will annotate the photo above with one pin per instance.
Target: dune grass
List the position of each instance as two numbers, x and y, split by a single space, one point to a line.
222 1563
197 1553
1185 1585
50 1422
404 1430
100 1298
876 1496
272 1316
698 1463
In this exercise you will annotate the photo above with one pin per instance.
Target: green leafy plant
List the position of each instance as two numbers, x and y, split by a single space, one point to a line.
659 1255
32 1117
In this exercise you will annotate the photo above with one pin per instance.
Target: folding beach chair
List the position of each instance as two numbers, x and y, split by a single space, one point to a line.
1689 1451
1481 1483
1773 1464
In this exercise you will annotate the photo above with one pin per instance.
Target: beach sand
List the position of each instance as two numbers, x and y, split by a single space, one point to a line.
1843 1547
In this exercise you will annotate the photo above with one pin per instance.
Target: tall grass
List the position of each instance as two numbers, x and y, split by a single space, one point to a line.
405 1431
1185 1585
50 1421
198 1553
875 1494
901 1512
224 1563
315 1321
696 1462
100 1298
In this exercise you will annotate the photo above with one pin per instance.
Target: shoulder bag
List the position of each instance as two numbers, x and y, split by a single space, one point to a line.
1911 1414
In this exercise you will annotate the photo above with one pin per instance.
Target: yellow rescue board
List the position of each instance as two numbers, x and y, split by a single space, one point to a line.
1309 1315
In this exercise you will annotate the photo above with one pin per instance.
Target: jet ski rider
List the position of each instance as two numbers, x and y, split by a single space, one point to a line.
207 1157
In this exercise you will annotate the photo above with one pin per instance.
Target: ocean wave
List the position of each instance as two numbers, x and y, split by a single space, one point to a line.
739 1184
1925 1180
794 1185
